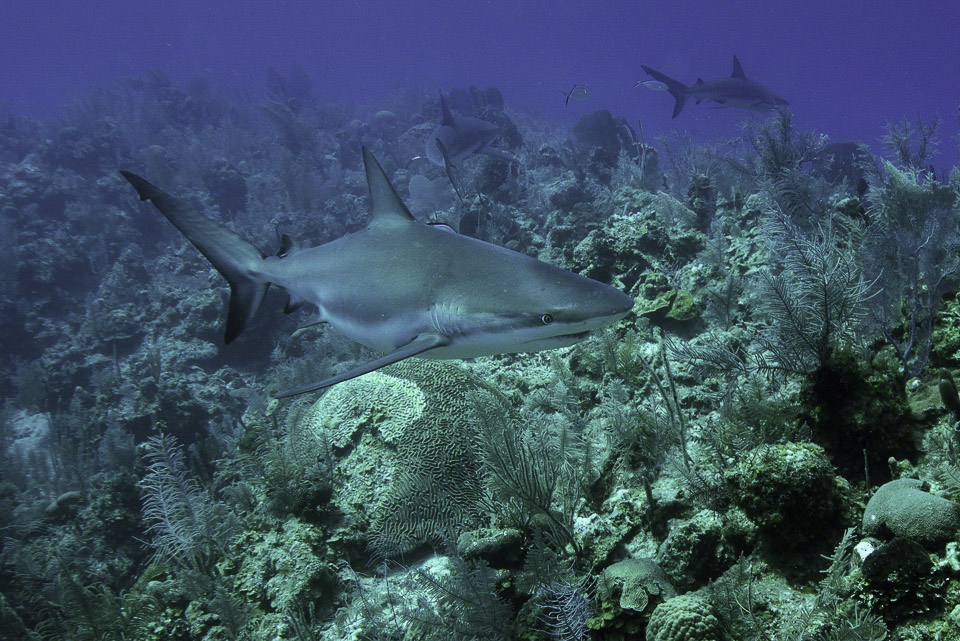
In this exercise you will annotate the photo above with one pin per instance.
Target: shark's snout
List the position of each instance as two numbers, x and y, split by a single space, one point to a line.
622 303
611 303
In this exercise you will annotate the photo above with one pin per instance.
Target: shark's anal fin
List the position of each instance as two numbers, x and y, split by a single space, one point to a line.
418 345
287 246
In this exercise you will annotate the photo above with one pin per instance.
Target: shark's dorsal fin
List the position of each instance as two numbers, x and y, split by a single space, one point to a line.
386 208
737 70
447 119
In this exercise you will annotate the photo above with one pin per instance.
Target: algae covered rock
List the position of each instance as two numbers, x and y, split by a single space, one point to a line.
498 547
684 618
854 406
696 550
900 580
904 508
650 233
790 492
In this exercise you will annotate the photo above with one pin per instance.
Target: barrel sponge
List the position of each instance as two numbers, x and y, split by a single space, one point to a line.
635 580
903 508
684 618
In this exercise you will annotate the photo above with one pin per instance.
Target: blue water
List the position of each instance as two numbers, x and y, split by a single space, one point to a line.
847 68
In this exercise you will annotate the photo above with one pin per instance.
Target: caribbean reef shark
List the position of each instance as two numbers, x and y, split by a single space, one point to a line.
735 91
458 137
403 287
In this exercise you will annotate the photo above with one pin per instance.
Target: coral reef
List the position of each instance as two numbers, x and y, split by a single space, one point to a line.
787 374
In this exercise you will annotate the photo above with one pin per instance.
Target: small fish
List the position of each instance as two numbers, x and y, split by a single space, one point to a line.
580 92
443 226
656 85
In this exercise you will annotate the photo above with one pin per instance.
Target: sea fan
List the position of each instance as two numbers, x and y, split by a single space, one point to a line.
186 525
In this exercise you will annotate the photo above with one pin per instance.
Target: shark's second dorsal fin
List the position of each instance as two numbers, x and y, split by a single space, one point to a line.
737 70
447 119
386 208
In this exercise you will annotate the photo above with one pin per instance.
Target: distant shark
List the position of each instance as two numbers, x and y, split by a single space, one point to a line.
458 137
735 91
403 287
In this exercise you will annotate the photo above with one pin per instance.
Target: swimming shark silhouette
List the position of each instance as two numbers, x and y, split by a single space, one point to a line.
735 91
403 287
458 137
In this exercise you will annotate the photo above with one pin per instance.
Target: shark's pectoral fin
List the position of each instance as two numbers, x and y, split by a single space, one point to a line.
420 344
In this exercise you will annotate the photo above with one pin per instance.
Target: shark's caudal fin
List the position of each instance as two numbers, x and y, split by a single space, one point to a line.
677 89
233 257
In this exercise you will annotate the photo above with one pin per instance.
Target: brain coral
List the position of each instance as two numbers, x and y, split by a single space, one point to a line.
635 579
904 508
685 618
377 399
410 455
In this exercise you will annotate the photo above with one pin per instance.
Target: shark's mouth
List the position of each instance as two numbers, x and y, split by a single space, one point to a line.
552 342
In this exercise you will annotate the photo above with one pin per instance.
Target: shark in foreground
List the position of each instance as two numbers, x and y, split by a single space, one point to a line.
403 287
458 137
735 91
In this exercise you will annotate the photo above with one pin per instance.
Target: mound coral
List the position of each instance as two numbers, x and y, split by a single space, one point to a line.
685 618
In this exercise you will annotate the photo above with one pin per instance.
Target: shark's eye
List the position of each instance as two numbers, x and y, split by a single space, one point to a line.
546 319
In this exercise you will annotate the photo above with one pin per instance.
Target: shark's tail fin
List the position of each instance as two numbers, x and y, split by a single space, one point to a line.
233 257
677 89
